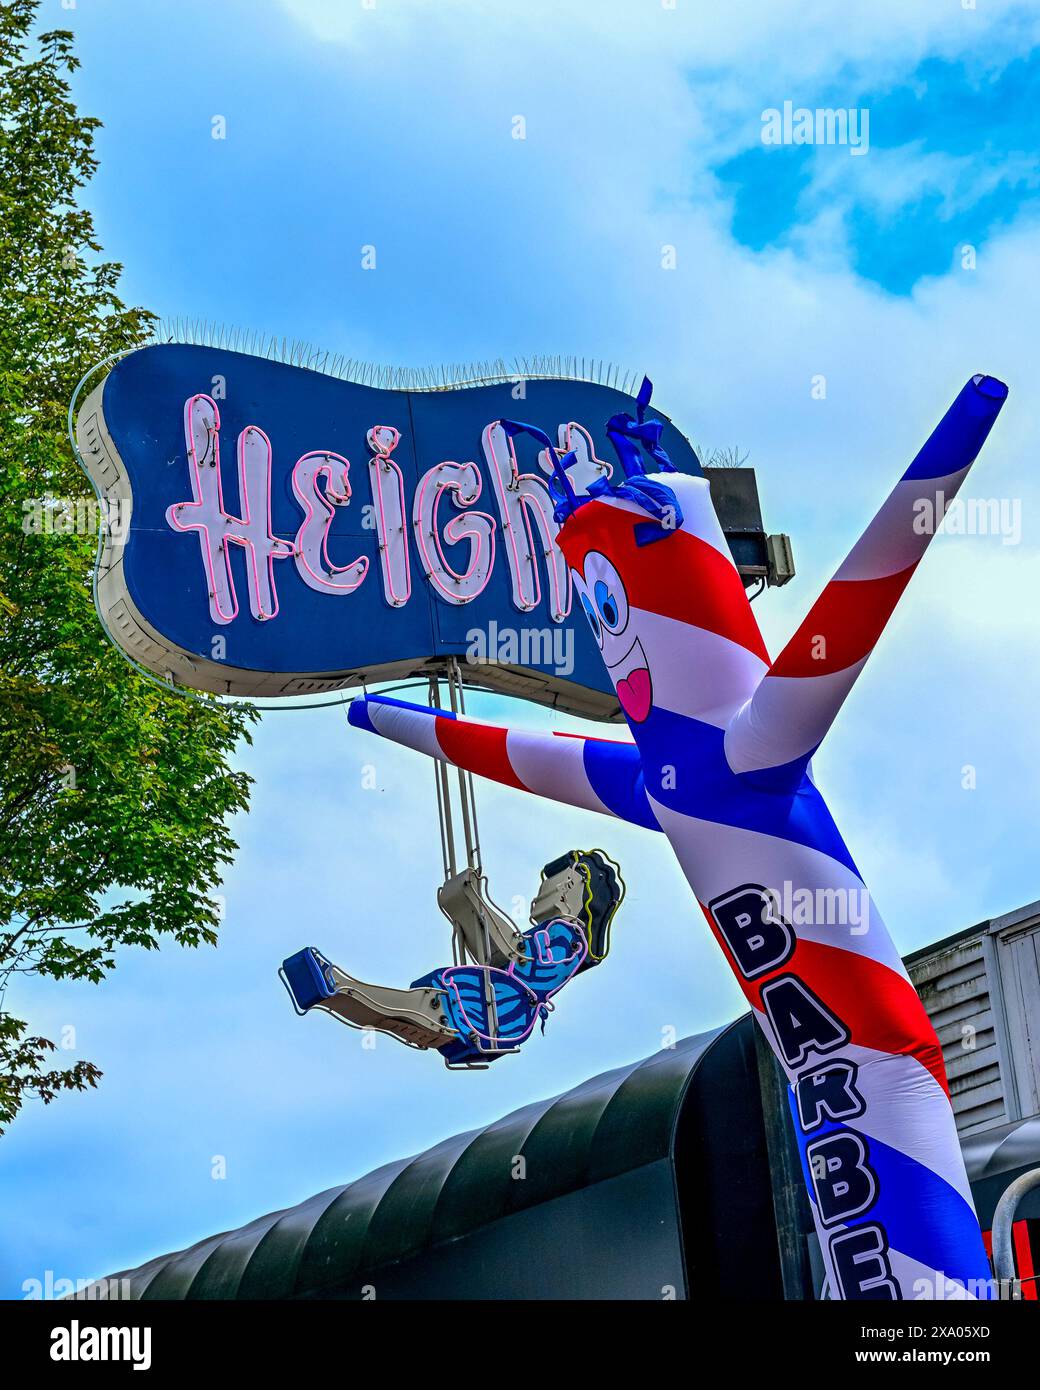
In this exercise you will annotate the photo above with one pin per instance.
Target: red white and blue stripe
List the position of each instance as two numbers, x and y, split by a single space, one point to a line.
720 764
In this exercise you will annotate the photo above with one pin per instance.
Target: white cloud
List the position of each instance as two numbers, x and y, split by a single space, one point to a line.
788 36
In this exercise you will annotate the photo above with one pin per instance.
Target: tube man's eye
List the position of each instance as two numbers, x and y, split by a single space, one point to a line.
607 605
593 618
608 593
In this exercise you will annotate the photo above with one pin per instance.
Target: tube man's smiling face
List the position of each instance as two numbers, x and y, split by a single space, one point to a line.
605 603
668 611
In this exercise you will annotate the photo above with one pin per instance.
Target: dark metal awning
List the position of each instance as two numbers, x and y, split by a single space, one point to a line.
1003 1149
673 1177
609 1127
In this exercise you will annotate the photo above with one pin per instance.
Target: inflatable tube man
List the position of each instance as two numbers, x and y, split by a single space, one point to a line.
721 764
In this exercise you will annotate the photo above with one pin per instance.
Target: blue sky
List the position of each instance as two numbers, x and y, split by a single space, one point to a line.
391 126
964 132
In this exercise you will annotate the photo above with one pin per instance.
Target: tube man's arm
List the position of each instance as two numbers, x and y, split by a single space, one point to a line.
798 699
593 774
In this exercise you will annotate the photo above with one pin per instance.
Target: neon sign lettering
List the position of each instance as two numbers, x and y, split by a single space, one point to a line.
523 499
462 480
321 487
217 528
387 482
312 556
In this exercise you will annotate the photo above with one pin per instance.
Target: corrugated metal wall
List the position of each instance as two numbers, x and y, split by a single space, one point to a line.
982 992
954 986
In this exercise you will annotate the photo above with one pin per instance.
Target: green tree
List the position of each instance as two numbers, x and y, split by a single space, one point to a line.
114 794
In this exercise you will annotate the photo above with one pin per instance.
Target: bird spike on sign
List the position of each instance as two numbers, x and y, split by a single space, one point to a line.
720 763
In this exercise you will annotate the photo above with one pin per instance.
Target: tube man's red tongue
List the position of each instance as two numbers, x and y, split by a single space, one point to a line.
635 694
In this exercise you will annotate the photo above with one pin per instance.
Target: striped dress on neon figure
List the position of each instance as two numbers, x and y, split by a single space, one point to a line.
720 763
